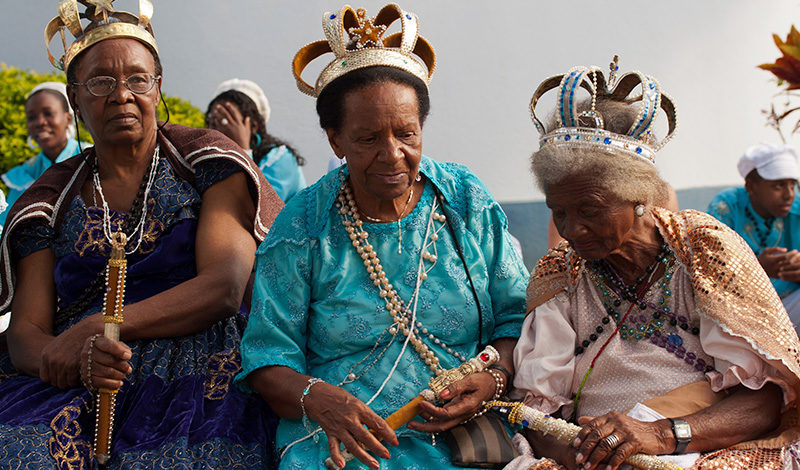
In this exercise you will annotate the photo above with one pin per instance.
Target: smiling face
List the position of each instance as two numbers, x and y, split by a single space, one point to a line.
595 222
47 122
123 117
381 136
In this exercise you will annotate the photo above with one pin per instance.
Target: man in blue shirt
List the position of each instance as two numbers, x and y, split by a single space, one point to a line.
766 214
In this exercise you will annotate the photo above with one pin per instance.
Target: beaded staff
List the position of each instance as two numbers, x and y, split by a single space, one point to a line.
436 385
518 413
112 318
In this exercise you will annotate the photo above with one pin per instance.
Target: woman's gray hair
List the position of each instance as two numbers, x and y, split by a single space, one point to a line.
628 178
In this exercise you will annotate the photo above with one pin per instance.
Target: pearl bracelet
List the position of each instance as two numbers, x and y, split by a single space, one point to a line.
306 422
499 382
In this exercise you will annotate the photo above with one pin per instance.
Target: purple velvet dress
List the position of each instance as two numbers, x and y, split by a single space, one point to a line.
178 408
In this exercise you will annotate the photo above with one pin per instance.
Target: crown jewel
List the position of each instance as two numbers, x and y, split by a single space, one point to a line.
358 41
587 129
104 23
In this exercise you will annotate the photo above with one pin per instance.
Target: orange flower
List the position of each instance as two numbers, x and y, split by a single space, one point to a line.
787 68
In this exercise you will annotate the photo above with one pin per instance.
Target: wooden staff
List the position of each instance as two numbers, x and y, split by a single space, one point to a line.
112 318
518 413
436 386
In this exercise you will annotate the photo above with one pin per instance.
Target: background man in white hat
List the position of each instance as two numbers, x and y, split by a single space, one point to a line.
767 215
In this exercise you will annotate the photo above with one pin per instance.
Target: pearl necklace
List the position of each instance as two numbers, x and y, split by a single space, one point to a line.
139 227
402 315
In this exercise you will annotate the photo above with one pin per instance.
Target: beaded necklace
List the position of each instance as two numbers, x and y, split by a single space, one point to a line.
403 316
762 236
634 326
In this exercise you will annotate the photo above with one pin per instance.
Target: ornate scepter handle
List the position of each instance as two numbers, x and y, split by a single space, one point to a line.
436 386
112 318
518 413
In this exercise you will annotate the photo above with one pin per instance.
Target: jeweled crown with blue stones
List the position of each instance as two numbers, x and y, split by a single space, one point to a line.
586 129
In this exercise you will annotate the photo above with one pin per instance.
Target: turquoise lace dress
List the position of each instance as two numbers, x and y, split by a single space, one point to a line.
316 310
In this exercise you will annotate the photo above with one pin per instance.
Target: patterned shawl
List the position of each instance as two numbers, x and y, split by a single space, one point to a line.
184 147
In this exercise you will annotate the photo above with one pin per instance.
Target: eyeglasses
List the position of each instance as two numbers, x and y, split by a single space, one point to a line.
103 86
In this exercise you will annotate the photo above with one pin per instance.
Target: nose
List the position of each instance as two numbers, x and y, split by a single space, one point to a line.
121 93
392 149
789 192
39 119
571 228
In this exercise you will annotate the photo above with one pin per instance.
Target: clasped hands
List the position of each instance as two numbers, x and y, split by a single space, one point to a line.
780 263
346 419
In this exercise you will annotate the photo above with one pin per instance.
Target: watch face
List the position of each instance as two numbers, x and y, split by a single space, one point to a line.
682 431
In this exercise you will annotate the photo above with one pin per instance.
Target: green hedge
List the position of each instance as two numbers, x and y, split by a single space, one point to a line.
15 84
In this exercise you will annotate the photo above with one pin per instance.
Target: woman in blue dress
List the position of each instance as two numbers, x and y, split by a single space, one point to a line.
240 110
51 125
194 207
378 277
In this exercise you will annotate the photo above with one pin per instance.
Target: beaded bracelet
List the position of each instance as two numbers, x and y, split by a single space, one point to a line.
87 382
499 382
501 369
306 422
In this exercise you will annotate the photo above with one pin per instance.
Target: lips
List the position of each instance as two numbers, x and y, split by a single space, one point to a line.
123 118
583 246
392 178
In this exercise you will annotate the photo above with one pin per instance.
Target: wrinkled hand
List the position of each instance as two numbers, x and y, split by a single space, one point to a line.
343 417
634 436
109 362
466 397
228 119
771 259
61 358
789 270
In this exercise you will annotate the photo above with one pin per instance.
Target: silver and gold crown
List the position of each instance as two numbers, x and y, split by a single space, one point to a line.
587 129
104 23
357 41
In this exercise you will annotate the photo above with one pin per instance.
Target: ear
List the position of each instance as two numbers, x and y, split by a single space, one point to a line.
73 101
333 140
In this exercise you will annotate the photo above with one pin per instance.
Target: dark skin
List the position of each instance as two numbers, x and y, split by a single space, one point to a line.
599 225
123 126
381 136
47 122
236 126
774 198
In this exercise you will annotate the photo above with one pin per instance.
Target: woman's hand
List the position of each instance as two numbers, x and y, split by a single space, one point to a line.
61 357
228 119
598 449
466 397
343 417
108 360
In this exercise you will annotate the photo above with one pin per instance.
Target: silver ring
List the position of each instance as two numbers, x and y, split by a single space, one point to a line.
224 121
612 441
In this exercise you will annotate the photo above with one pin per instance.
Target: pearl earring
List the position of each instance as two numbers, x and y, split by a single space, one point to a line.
418 177
639 210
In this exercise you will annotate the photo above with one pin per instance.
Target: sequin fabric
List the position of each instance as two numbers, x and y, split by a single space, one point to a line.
730 286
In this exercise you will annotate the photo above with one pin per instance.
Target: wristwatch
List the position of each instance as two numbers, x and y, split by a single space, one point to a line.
683 434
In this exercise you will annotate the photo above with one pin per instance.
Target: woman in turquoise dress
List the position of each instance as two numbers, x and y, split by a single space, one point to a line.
240 110
51 125
375 279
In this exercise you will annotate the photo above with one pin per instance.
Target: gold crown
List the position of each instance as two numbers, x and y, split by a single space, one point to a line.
357 41
104 23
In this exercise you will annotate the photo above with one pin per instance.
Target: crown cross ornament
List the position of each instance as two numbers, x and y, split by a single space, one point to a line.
103 23
587 129
358 41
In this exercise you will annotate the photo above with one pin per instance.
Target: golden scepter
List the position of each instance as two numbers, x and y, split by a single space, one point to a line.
112 318
436 386
518 413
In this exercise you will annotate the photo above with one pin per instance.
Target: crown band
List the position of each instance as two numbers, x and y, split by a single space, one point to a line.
589 138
